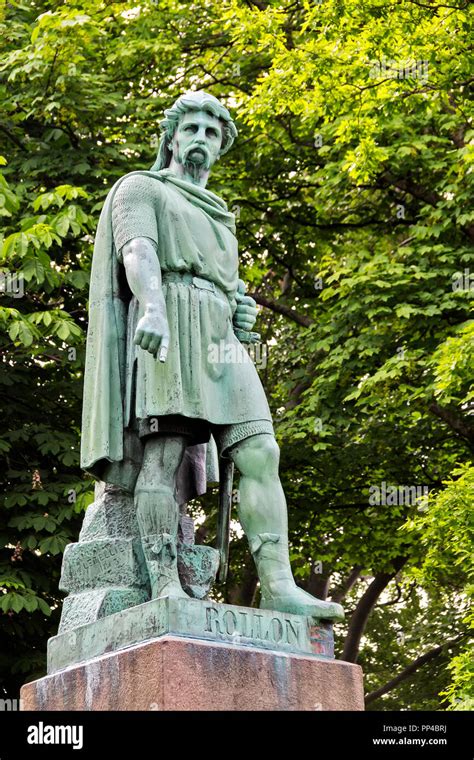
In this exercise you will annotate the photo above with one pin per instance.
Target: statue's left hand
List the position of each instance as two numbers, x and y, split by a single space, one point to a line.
246 312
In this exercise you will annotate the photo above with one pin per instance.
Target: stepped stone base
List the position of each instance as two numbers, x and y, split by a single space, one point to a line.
188 654
180 673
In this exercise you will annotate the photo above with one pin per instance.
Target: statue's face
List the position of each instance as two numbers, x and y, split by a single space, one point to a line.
197 140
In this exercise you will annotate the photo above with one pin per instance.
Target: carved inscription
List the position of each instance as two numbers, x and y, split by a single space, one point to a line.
92 564
253 625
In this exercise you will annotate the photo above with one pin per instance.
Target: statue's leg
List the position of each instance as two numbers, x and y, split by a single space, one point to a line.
158 513
263 515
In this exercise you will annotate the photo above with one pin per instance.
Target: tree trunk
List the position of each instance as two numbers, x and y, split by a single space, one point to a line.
318 584
411 668
459 424
364 608
340 593
243 593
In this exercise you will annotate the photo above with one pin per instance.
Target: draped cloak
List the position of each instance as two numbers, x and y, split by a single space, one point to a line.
110 449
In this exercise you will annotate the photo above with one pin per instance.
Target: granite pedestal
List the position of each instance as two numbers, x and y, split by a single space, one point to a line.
187 654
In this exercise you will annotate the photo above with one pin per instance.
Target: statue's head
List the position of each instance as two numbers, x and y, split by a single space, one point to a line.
197 129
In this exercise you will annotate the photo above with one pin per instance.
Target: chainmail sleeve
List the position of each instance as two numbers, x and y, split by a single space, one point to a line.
134 211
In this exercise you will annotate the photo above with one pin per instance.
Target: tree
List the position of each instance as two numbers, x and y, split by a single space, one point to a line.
445 529
350 185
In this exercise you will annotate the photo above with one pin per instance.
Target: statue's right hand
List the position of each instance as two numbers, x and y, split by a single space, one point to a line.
152 333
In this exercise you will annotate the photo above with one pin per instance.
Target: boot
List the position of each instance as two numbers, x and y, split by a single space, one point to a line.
278 589
157 514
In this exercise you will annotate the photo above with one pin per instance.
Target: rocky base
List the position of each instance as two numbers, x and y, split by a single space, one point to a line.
105 572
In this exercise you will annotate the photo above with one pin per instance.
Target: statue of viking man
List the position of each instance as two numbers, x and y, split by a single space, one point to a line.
164 293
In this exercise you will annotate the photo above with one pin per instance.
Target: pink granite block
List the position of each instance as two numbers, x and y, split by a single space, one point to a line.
177 673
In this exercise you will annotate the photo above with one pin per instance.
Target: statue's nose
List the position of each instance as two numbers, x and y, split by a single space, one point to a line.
201 135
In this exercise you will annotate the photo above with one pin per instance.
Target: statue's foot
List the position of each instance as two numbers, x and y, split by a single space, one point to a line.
298 602
281 593
278 588
164 580
161 564
171 588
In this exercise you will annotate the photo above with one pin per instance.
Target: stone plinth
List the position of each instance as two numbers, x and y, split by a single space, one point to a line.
191 618
181 673
188 654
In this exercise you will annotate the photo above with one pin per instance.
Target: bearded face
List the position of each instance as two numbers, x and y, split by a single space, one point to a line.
197 141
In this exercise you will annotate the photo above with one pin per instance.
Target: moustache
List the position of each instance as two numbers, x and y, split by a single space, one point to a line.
202 148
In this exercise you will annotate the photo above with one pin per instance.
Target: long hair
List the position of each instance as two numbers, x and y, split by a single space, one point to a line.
192 101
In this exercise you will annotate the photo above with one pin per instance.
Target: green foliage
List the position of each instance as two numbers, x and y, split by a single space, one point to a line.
445 529
423 620
351 180
453 362
461 690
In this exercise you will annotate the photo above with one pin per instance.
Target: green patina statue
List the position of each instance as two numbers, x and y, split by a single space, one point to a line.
162 416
